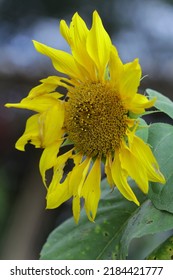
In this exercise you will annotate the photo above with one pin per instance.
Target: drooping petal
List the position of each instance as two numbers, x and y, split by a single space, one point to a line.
38 104
76 182
51 124
47 85
139 103
134 168
108 165
48 158
120 179
31 134
91 190
76 208
60 163
99 45
57 193
146 157
78 176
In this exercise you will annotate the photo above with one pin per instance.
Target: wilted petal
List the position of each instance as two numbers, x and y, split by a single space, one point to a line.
91 190
48 158
31 134
120 179
146 157
134 168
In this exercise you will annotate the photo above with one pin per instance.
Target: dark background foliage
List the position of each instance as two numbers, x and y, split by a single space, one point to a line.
138 28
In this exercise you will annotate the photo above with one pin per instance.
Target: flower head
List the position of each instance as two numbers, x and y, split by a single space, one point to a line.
93 117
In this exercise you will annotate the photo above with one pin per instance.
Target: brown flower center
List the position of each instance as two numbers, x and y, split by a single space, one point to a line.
95 119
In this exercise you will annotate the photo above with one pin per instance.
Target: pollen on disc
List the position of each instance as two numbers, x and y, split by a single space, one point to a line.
95 119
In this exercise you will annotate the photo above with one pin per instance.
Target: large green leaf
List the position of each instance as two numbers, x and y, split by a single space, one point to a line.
163 103
90 240
161 139
118 221
163 252
146 220
142 130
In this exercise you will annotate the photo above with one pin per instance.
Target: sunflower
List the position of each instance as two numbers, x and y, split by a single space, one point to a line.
93 119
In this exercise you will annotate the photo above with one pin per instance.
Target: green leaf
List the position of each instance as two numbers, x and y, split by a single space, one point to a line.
161 139
118 221
142 130
163 251
146 220
163 103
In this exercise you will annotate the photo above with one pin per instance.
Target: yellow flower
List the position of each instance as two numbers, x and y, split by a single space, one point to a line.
93 115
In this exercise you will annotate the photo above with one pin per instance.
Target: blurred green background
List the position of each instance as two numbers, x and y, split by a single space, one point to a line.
138 28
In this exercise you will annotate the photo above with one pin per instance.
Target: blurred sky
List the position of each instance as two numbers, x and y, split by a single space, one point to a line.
138 28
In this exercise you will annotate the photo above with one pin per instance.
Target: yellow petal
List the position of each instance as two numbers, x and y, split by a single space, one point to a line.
76 208
78 176
139 103
57 193
38 104
145 155
76 37
65 32
79 33
91 190
115 67
48 158
120 179
47 85
78 30
99 45
60 163
76 182
62 61
130 80
134 168
108 165
31 134
51 123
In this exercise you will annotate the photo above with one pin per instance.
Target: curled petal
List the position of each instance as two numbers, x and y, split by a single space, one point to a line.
120 179
139 103
31 134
